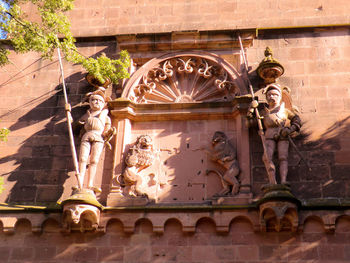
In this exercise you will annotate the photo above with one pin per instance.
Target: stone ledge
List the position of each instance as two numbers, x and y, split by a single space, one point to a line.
158 215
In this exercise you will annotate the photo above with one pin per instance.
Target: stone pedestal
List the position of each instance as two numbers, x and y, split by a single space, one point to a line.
278 209
117 199
81 211
240 199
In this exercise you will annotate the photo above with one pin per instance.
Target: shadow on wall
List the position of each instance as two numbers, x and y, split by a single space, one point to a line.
37 162
328 162
43 159
39 166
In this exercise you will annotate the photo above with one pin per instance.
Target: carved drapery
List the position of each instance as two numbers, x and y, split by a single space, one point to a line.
184 78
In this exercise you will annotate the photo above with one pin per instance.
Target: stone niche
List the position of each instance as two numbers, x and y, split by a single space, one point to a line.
177 102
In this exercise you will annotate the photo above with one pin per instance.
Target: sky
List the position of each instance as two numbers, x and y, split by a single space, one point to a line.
2 33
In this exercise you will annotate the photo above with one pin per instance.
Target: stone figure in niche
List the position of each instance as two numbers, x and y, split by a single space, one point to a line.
96 132
223 152
280 121
143 175
140 156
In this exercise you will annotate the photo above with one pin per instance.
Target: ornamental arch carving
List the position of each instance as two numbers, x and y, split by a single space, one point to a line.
184 77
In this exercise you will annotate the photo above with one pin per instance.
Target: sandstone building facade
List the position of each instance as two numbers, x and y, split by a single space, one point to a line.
188 81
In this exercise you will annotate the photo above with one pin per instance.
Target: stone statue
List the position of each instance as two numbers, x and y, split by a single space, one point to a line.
96 133
224 154
280 120
140 156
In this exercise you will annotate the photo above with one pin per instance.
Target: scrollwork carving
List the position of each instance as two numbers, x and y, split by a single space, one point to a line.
205 70
185 66
194 78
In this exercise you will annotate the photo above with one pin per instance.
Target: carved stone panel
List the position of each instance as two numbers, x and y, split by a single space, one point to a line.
180 101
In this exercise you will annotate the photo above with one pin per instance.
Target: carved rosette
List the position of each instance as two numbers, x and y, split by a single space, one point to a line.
184 79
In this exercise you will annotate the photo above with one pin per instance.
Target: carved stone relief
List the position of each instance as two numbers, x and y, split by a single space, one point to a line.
80 216
185 79
180 100
223 152
143 175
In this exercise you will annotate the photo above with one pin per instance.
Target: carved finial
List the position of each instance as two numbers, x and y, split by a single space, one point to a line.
269 68
268 52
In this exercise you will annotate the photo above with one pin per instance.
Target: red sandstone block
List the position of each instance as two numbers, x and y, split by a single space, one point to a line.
178 240
315 92
48 193
220 240
106 254
137 253
204 253
342 157
347 252
222 6
307 189
226 252
45 253
331 252
20 193
164 253
309 251
329 105
295 68
334 188
314 237
164 10
301 53
119 239
272 253
338 238
20 253
5 253
159 240
294 252
84 253
338 92
346 104
247 253
199 239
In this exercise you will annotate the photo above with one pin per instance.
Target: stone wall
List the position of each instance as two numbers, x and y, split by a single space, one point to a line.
240 244
36 160
112 17
316 69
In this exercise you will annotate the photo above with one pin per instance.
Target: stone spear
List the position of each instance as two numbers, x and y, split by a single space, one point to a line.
255 104
68 108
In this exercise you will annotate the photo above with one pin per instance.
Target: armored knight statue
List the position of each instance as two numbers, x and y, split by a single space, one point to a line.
97 132
280 121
